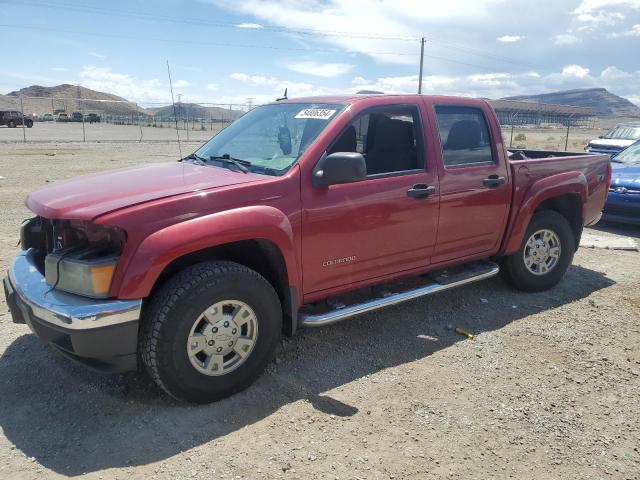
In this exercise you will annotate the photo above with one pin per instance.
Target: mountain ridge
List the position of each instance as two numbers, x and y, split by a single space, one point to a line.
604 103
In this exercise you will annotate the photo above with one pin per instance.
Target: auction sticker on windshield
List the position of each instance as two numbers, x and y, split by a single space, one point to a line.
317 113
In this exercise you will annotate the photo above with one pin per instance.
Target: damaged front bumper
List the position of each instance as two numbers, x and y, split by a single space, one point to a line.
101 334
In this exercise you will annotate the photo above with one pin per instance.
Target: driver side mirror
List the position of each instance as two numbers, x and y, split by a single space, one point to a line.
339 167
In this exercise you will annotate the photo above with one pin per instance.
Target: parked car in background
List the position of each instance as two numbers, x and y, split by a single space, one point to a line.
616 140
13 118
92 118
62 117
47 117
623 201
75 117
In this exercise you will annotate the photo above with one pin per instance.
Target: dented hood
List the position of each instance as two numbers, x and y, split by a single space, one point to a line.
89 196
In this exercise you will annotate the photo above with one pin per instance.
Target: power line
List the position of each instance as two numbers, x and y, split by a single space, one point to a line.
192 21
193 42
235 45
317 32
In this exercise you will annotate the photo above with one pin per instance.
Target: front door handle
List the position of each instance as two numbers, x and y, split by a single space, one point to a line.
421 191
493 181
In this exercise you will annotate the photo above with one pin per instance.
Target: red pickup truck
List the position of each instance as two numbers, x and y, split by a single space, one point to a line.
197 267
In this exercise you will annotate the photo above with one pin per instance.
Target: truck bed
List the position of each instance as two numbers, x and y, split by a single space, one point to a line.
583 175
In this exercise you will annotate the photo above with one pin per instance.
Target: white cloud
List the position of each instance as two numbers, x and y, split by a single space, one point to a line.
566 39
212 87
97 55
58 69
320 69
400 18
254 80
600 12
105 79
504 84
571 71
181 84
253 26
634 31
510 38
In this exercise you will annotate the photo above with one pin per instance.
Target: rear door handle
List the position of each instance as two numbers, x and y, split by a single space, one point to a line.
493 181
421 190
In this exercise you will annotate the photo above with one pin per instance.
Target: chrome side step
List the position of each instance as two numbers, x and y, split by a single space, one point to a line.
444 281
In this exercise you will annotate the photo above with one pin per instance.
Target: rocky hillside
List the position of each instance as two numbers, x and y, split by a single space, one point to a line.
193 110
603 103
38 100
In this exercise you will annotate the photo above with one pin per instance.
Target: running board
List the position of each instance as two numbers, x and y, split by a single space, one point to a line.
440 281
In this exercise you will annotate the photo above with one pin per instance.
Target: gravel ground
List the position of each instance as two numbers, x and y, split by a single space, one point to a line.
548 389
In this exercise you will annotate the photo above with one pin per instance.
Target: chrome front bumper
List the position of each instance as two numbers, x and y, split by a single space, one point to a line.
101 334
66 310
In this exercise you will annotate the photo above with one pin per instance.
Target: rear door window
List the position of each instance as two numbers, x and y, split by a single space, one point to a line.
464 136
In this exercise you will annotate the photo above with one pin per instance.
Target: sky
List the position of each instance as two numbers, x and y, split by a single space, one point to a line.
226 51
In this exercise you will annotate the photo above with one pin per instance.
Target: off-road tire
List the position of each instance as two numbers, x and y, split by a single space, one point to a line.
29 123
172 311
11 124
516 272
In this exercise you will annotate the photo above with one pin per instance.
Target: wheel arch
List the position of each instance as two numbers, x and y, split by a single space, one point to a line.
565 193
258 237
260 255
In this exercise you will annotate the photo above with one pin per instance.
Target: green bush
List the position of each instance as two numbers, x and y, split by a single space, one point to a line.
521 137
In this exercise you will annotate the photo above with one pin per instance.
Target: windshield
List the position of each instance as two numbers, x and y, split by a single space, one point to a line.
630 156
624 133
271 138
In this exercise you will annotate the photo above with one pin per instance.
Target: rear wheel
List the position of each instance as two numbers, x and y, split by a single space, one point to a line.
11 124
545 254
29 123
210 331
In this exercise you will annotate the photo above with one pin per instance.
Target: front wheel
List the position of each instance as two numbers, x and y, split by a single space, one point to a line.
210 331
545 254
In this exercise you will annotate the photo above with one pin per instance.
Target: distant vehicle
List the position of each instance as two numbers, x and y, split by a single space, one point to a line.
616 140
623 201
62 117
13 118
47 117
92 118
76 117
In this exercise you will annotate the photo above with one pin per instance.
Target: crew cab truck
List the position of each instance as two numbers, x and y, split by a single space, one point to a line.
197 267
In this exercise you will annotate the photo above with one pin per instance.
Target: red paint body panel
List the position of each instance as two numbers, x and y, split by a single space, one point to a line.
173 209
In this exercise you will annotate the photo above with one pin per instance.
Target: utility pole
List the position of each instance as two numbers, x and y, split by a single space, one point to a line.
421 65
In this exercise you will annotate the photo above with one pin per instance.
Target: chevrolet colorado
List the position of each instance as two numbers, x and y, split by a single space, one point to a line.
194 269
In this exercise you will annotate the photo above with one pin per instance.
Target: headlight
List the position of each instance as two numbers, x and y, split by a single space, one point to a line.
80 272
82 257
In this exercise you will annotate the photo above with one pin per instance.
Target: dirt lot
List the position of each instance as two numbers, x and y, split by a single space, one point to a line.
549 389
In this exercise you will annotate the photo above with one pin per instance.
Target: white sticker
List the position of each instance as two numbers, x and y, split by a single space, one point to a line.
317 113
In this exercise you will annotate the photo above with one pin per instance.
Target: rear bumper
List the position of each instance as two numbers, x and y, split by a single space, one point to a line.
102 334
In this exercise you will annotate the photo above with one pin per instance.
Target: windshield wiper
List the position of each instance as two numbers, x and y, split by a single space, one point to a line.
194 156
226 158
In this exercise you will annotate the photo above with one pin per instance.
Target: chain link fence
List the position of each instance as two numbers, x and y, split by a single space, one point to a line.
53 119
65 119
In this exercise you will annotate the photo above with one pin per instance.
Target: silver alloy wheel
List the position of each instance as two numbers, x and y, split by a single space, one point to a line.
542 252
222 337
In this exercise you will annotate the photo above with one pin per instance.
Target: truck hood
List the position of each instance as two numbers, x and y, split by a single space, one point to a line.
89 196
611 142
627 176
